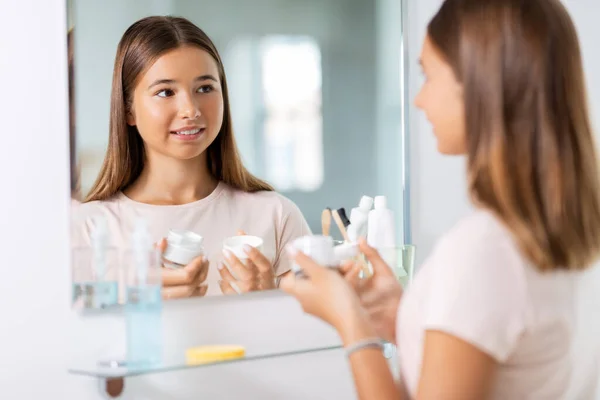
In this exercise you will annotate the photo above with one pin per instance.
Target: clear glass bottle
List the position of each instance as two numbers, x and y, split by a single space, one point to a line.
104 266
95 270
143 301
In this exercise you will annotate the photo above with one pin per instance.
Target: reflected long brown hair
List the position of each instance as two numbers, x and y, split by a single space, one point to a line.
141 45
531 154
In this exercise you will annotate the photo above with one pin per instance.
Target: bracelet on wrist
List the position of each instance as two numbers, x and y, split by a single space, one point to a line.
369 343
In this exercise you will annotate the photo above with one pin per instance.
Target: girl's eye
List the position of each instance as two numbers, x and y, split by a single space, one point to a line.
205 89
165 93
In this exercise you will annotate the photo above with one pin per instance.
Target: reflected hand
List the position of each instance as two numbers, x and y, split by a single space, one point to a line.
184 282
255 273
379 294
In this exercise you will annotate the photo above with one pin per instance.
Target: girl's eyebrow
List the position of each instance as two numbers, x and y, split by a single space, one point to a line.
171 81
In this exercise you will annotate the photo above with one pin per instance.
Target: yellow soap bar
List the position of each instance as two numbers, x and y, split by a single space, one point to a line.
207 354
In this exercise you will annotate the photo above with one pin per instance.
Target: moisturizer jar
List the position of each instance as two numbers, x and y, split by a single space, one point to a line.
182 247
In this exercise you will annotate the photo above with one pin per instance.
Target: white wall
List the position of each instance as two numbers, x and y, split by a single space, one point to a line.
34 291
585 14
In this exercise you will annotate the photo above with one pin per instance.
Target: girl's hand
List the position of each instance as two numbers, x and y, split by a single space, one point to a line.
324 293
253 274
185 282
379 293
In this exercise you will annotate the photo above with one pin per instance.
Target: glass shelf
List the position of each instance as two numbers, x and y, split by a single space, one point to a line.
114 369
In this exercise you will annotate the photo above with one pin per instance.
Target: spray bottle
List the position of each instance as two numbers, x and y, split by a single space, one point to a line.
143 308
105 289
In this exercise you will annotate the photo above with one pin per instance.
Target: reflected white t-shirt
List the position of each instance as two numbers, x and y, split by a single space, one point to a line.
542 329
269 215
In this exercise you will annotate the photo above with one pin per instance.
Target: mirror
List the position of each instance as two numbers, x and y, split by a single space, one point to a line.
316 95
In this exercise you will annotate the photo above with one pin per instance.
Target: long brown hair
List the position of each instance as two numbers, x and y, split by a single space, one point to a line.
141 45
531 153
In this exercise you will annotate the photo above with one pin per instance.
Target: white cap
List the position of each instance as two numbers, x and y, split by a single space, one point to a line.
380 202
366 203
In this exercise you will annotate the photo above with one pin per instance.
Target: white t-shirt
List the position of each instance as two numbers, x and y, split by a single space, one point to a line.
269 215
542 329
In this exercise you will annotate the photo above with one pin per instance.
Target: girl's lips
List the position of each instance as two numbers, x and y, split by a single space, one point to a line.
188 136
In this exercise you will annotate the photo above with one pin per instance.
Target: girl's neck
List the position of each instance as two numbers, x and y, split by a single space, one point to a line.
168 181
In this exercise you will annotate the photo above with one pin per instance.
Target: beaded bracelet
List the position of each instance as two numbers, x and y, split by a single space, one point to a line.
364 344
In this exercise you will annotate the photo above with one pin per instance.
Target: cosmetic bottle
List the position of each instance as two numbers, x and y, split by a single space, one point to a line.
359 219
381 231
105 287
143 307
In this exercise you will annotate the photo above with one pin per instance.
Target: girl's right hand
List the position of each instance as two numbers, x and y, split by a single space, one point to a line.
184 282
379 293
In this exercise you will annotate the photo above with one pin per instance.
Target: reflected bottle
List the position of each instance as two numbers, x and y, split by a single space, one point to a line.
381 231
105 286
143 309
95 269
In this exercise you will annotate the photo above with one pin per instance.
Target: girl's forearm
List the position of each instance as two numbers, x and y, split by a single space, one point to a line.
372 375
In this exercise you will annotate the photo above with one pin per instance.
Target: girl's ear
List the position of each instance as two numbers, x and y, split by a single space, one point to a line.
130 118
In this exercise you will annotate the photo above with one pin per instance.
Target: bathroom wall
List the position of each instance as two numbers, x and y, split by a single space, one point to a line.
34 291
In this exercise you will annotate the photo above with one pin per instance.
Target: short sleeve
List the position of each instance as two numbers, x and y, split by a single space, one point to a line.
293 225
81 226
478 290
